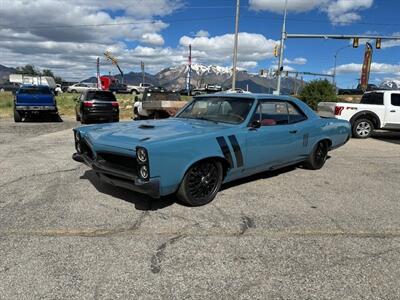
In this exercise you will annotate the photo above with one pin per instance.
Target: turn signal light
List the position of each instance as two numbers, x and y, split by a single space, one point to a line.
338 110
115 104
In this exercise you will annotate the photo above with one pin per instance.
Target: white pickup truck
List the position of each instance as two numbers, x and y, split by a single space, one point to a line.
376 110
138 89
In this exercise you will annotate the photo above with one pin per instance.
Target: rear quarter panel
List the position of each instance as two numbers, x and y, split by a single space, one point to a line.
337 131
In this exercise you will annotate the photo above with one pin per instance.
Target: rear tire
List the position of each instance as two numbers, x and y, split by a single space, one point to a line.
201 183
317 157
17 116
362 128
84 120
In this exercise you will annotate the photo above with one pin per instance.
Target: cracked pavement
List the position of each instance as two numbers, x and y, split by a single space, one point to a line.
291 234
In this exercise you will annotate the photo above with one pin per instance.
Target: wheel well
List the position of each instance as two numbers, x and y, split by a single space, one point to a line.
223 161
328 142
367 115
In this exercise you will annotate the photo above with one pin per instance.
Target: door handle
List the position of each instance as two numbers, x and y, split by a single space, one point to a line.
393 110
293 131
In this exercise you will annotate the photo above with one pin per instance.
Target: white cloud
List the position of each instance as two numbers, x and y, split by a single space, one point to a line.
153 39
340 12
218 49
380 68
296 61
202 33
43 33
278 5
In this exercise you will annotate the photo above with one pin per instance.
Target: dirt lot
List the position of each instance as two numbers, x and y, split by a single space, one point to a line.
292 234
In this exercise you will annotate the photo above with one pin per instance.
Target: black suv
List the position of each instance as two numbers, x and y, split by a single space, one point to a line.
95 105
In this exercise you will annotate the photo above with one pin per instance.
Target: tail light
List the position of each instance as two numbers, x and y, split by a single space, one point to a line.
115 104
87 104
338 110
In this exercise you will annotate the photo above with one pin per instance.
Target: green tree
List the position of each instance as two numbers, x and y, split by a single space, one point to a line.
316 91
47 72
28 70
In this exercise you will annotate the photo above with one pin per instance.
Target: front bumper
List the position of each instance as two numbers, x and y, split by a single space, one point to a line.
121 178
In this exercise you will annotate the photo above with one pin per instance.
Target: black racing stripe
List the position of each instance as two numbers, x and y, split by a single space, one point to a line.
237 150
225 150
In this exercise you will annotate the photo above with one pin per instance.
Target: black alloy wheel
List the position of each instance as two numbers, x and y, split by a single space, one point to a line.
201 183
318 157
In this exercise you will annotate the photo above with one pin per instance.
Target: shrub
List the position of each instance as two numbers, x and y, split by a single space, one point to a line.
316 91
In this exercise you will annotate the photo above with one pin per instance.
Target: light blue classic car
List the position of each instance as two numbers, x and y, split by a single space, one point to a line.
214 139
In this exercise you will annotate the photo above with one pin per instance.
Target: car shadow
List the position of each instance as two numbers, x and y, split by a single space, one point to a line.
146 203
258 176
43 119
387 136
141 201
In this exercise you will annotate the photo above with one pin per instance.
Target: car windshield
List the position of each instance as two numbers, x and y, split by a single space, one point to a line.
35 90
218 109
99 95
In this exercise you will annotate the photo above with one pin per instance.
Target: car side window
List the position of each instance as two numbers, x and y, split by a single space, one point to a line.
395 99
271 113
295 114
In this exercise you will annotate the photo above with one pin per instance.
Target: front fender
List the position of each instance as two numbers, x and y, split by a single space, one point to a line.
170 161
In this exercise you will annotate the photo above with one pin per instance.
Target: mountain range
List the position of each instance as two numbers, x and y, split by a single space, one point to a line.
174 78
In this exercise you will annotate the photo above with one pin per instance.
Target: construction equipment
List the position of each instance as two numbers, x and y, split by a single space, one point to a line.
114 61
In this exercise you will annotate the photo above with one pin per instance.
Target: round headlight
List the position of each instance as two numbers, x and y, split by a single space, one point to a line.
144 172
141 155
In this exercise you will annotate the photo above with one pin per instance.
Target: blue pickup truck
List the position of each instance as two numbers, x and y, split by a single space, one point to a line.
34 100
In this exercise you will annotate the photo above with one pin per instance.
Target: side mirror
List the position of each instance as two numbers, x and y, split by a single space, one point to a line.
255 124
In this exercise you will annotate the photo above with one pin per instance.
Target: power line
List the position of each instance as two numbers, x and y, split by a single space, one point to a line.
43 25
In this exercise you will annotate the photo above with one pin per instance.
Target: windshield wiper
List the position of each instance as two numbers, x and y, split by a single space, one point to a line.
206 119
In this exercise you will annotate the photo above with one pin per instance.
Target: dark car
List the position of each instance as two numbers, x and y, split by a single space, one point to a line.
9 87
96 105
119 88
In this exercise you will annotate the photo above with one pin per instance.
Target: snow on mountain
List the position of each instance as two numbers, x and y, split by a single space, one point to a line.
393 84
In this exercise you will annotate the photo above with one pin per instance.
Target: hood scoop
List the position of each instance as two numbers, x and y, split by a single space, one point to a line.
146 126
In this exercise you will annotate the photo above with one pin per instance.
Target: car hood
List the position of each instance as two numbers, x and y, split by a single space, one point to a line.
127 135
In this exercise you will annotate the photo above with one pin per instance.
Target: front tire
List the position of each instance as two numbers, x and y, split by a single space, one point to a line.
17 116
201 183
318 157
362 128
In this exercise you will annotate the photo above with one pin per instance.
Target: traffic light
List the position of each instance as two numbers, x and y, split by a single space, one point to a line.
276 48
356 42
378 43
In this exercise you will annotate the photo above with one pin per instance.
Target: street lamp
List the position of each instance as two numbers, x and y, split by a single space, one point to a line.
282 44
334 68
235 45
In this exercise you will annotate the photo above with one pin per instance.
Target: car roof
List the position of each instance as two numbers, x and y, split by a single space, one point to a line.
304 107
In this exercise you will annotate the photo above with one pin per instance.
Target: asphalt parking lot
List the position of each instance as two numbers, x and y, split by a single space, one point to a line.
292 234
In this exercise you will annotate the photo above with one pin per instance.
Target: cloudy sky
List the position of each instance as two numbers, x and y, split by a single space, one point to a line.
68 35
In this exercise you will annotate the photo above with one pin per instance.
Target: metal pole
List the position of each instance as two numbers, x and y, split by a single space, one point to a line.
335 65
235 46
190 70
143 72
282 44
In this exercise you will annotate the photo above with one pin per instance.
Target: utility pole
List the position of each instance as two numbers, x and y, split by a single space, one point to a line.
335 65
235 46
189 71
282 44
142 67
